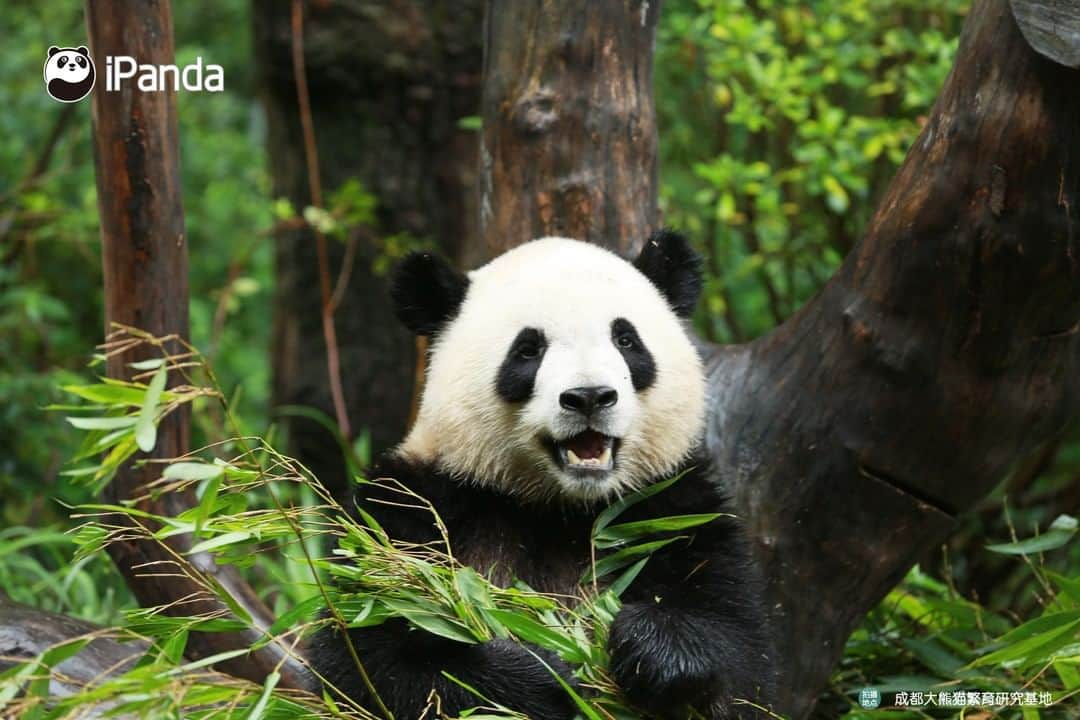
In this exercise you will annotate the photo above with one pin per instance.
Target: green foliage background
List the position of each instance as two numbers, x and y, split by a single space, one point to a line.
781 124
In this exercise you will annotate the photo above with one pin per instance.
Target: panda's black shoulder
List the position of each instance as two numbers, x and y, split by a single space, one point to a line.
395 492
401 492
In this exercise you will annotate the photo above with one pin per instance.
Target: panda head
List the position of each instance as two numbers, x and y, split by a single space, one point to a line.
558 370
69 73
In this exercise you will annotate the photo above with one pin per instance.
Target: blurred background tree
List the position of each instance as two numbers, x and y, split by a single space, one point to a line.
780 125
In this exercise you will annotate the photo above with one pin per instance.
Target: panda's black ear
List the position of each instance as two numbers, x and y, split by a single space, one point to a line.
427 292
53 50
82 50
674 267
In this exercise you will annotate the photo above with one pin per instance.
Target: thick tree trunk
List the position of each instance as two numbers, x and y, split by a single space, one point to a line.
569 123
389 82
945 348
144 252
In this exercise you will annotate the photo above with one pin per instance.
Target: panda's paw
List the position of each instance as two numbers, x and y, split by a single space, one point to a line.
513 675
659 667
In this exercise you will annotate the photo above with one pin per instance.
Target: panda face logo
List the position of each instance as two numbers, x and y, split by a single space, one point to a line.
69 73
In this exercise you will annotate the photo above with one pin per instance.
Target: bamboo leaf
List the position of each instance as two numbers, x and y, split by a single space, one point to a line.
1058 534
145 428
229 538
626 556
259 708
619 534
618 508
192 471
103 423
531 631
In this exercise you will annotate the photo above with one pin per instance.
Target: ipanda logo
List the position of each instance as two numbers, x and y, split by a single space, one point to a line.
70 75
155 78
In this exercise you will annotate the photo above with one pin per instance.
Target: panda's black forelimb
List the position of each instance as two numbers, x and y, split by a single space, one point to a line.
692 631
405 665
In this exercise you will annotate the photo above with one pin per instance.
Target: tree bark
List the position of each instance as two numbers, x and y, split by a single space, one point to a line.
389 82
569 123
943 350
945 347
27 632
144 253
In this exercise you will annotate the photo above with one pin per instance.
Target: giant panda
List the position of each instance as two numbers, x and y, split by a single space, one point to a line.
560 378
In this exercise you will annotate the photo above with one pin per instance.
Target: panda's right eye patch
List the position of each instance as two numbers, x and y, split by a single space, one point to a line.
517 374
62 60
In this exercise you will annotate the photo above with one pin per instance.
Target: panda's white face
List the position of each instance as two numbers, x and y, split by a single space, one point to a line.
564 373
69 65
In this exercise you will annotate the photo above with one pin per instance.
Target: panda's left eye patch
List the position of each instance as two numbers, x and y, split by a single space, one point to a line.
517 374
81 61
638 359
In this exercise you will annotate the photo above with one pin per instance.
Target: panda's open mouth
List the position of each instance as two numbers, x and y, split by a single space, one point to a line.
589 451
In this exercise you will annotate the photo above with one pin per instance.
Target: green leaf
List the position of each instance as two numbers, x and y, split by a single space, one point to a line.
472 587
1034 641
470 122
102 423
1069 675
836 196
1058 534
173 648
296 615
626 556
428 618
145 428
627 578
618 508
618 534
151 364
108 393
59 653
369 613
529 630
229 538
579 701
259 707
192 471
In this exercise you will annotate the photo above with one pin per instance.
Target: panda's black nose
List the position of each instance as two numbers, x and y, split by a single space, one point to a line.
586 400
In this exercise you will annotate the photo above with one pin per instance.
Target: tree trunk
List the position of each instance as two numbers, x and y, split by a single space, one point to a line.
945 347
569 123
144 252
389 82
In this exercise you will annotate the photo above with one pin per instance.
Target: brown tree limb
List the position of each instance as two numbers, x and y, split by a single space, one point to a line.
27 632
144 253
1052 27
311 158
